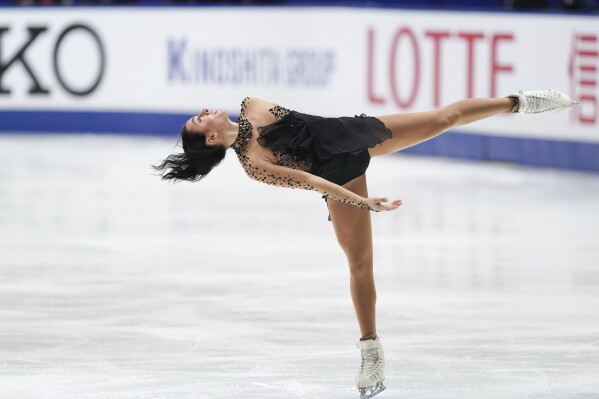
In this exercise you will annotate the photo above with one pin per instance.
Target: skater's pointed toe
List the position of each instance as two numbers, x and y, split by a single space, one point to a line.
566 102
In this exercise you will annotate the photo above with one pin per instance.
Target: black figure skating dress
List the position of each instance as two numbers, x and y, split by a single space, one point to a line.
335 149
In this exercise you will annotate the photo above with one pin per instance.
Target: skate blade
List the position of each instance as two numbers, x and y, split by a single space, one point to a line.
565 108
366 393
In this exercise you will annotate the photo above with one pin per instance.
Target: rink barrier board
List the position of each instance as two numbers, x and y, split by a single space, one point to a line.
481 147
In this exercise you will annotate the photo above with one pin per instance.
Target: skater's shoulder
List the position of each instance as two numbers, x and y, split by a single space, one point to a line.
255 105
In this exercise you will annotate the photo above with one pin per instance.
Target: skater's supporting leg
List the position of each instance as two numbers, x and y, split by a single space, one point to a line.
354 234
414 128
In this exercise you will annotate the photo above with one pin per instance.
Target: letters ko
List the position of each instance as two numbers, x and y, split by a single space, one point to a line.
19 57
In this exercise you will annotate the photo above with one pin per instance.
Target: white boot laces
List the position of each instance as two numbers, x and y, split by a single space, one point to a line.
370 360
538 102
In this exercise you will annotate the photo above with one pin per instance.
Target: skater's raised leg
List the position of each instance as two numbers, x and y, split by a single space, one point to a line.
414 128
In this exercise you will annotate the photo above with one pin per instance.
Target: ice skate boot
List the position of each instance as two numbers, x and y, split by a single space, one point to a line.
537 101
369 380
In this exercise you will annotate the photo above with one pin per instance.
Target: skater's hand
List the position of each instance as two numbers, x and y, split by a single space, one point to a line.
383 204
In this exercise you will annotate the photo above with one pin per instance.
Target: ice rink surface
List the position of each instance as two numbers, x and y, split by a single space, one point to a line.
114 284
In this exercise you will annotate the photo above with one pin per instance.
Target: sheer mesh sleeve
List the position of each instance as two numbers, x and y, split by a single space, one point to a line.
281 176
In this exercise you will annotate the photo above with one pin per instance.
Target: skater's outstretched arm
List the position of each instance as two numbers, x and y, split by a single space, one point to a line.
286 177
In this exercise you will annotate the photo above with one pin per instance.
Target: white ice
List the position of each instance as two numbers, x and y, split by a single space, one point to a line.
114 284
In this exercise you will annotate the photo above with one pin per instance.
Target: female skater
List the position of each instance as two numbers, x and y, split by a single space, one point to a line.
330 155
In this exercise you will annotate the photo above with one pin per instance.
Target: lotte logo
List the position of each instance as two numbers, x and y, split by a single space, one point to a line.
19 57
404 97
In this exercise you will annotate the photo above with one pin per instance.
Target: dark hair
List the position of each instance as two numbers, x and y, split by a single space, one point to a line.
196 160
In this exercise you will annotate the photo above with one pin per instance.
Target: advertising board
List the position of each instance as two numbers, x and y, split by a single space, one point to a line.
136 70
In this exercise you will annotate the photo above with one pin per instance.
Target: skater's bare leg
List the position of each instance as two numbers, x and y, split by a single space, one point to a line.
354 234
413 128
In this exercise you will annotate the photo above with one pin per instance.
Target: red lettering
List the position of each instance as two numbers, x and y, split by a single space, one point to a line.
495 66
437 38
404 90
373 98
589 110
392 69
583 66
588 83
470 38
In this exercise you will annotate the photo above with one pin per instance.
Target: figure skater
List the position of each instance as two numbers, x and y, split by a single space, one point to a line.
330 155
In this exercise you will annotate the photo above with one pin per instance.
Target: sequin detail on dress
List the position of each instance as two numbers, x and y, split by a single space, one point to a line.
292 161
285 172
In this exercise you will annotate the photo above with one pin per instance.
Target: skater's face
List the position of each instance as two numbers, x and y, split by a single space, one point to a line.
209 123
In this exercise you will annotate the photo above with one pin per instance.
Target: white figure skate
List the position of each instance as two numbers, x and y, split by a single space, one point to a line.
537 101
369 380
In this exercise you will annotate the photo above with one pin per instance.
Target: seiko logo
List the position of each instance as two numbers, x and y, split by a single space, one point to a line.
37 87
